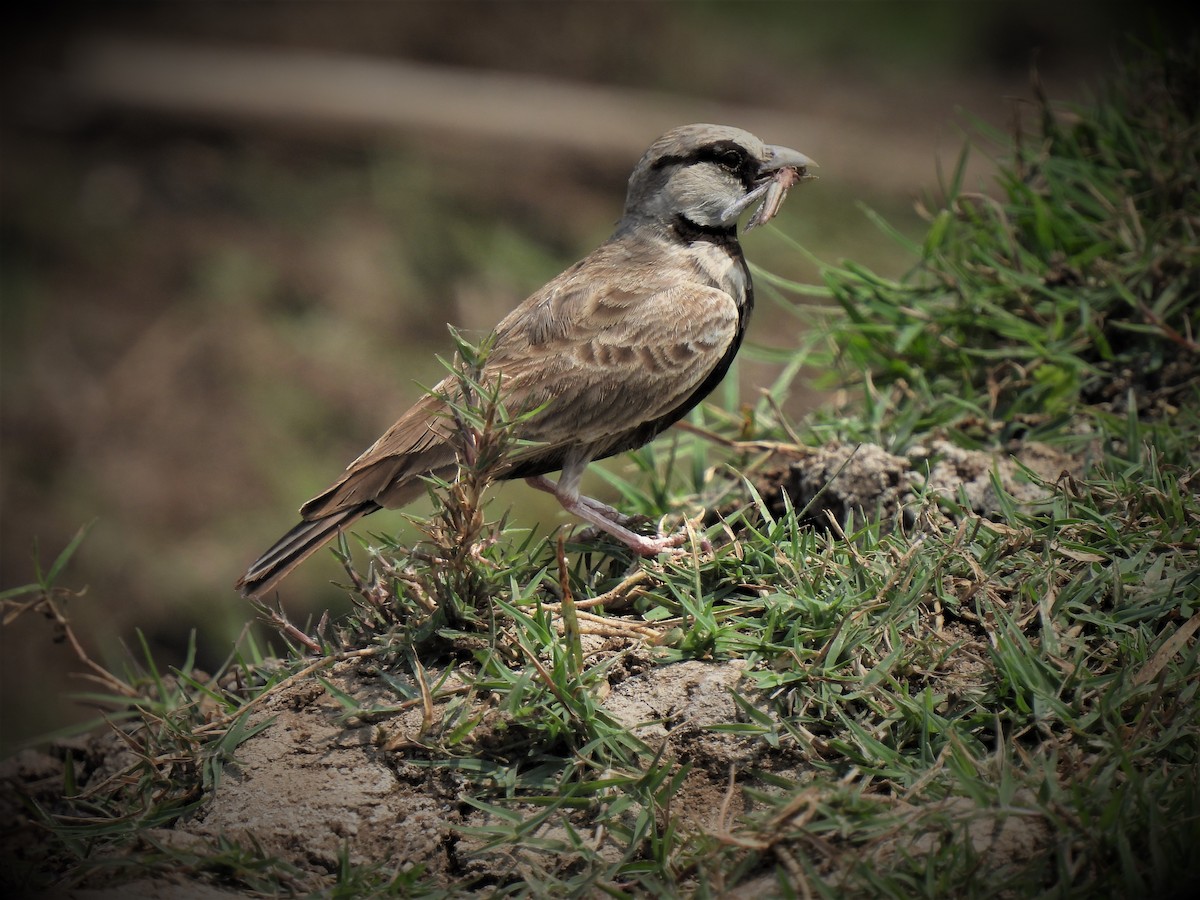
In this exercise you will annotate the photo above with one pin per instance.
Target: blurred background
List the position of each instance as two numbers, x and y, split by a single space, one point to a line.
232 235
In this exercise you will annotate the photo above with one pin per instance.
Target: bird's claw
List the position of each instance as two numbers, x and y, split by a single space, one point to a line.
650 546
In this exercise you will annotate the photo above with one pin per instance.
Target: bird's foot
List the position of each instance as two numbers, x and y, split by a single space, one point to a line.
604 519
663 543
648 545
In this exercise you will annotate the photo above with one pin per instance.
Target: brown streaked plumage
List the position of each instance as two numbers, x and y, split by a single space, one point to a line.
615 349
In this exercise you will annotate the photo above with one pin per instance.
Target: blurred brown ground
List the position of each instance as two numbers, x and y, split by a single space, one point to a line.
206 316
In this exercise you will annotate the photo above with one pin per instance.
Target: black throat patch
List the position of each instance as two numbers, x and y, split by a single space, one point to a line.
721 235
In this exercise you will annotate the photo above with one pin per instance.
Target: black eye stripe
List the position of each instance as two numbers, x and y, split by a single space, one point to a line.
724 153
729 154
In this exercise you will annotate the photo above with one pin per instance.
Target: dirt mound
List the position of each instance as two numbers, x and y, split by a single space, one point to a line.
355 765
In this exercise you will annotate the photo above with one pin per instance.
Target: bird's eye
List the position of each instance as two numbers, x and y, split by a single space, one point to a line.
727 155
731 160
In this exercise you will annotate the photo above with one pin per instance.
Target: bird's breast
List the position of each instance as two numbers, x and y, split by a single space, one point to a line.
720 266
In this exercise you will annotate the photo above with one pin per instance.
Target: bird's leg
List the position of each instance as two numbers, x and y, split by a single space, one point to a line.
542 483
603 516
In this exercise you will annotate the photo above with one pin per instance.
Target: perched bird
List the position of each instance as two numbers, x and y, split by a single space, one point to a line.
611 352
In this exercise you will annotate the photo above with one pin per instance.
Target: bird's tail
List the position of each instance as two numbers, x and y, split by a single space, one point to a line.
296 546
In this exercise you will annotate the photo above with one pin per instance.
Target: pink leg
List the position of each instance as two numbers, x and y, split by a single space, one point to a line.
542 483
605 517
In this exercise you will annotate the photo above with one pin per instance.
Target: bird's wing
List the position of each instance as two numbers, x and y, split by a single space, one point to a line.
599 361
603 361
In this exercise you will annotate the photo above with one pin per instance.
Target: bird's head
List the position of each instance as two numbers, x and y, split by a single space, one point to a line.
706 176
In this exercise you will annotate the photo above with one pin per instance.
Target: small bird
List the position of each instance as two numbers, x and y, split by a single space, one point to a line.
604 357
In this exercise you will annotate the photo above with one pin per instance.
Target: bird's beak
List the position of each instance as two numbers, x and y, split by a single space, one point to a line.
785 158
772 173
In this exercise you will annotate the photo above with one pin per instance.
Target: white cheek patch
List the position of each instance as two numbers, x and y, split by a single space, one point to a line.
702 194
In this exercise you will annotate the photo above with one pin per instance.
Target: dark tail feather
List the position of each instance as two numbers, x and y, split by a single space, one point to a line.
295 547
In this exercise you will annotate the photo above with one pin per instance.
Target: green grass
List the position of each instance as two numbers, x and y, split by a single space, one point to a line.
941 704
